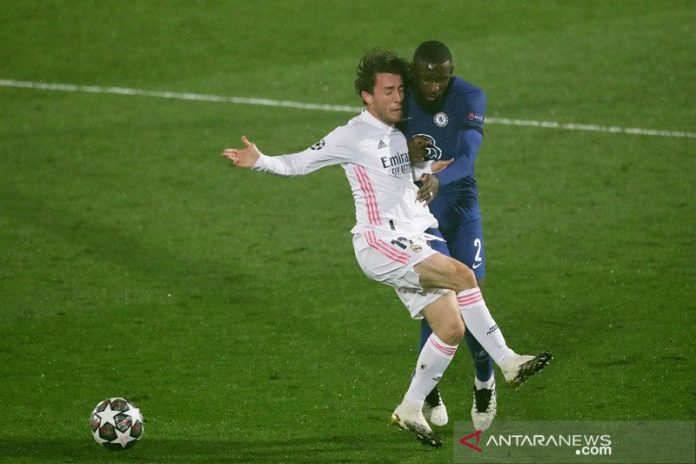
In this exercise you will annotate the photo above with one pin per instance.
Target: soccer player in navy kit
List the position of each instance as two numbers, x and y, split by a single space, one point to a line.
445 116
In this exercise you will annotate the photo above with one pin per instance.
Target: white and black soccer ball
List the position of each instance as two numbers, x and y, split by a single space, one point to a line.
116 424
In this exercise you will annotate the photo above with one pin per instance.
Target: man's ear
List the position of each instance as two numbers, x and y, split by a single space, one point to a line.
367 97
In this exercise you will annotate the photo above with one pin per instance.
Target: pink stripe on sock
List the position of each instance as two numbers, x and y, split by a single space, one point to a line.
446 350
469 299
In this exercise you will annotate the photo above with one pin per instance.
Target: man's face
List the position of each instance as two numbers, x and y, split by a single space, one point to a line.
431 81
385 101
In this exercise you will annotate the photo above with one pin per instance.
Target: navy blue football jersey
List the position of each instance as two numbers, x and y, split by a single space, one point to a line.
455 130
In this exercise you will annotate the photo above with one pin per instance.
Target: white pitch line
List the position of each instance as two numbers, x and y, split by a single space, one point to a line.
178 96
323 107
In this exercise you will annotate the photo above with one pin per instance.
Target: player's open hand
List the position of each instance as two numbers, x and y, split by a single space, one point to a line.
243 157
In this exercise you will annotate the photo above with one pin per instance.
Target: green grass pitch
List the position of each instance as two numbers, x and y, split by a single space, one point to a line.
228 305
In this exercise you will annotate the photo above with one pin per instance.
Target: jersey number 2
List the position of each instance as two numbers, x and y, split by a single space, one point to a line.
477 257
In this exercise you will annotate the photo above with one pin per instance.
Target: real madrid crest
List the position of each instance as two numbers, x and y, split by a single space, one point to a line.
440 119
415 247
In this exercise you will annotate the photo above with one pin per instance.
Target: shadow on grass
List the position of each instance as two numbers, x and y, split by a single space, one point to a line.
336 449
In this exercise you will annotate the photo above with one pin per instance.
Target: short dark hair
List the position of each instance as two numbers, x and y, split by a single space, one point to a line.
432 51
378 61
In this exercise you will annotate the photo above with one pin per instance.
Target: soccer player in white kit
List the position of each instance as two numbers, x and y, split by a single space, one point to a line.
389 237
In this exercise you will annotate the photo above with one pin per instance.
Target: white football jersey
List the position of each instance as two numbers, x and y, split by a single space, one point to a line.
375 159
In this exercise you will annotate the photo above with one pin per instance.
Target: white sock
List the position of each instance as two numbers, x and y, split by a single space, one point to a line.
432 363
479 321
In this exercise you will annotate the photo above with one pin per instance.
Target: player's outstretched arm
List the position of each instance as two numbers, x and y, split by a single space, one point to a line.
243 157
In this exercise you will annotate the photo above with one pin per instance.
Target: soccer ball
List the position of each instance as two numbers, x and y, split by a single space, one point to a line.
116 424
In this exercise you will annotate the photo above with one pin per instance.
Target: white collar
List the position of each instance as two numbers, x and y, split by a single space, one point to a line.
370 119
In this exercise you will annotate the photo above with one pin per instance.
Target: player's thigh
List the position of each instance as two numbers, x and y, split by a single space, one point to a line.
440 271
466 245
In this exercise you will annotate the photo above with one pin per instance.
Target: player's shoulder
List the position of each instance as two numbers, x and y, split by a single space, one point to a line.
353 126
465 89
348 133
466 100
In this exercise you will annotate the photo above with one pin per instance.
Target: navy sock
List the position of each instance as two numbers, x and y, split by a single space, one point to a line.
424 334
482 361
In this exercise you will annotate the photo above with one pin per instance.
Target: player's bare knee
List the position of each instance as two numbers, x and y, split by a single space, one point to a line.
465 277
453 333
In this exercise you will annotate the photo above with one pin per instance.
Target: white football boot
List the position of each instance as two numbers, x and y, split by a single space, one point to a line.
434 409
518 368
484 407
410 418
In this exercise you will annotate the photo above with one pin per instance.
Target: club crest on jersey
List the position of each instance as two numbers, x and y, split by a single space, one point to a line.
432 151
440 119
404 243
319 145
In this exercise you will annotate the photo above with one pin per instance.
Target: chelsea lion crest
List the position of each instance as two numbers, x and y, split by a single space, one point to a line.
440 119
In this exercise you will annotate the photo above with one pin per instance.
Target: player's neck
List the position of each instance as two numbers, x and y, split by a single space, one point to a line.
430 106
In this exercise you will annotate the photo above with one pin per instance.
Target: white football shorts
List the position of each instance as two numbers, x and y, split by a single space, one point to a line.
390 259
